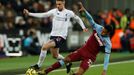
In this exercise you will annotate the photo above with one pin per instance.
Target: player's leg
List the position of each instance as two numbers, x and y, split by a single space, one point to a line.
54 43
58 43
85 64
71 57
55 53
43 53
56 65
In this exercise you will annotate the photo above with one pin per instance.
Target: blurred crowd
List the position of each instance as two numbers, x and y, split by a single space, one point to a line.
122 20
13 21
119 19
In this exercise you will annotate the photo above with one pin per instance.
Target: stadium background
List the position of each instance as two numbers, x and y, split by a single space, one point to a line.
16 28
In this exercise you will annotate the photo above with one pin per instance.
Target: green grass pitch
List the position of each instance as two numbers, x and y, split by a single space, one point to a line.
114 69
18 65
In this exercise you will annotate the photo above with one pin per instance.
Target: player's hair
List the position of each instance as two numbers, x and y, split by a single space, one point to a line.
109 28
61 0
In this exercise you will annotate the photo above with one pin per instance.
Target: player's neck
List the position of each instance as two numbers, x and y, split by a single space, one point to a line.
62 9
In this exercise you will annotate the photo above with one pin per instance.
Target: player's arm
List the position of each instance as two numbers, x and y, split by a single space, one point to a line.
88 16
106 58
78 20
38 15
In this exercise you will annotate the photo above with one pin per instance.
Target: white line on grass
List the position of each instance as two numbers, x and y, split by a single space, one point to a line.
97 65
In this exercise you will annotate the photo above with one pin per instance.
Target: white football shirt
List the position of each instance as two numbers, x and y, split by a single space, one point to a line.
60 21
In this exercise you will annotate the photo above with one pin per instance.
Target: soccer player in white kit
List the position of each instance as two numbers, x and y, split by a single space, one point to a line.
60 22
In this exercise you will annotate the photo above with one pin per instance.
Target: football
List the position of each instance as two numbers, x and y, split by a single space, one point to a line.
31 72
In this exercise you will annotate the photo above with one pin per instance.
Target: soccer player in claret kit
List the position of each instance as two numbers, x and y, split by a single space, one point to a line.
60 23
88 52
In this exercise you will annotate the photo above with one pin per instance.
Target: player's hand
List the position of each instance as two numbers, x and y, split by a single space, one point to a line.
103 72
81 7
25 11
85 30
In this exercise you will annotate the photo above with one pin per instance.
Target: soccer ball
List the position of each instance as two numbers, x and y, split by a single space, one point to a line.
31 72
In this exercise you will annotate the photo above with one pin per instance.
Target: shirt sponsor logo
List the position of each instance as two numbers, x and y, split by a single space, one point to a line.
98 39
61 19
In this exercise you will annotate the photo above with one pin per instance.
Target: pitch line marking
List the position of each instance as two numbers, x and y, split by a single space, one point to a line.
97 65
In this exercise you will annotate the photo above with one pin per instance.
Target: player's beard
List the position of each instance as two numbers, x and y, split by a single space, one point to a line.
60 9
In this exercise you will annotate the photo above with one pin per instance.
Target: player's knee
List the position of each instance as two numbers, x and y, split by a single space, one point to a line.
67 60
48 45
55 56
45 47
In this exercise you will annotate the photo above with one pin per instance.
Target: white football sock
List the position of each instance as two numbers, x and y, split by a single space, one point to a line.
42 57
60 57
